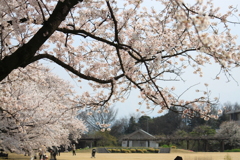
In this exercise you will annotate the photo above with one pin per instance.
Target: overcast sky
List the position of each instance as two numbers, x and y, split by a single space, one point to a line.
226 91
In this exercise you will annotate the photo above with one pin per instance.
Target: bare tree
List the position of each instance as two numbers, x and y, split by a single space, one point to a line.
228 106
99 120
119 127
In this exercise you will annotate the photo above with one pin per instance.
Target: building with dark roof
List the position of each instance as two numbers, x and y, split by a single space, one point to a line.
139 138
234 116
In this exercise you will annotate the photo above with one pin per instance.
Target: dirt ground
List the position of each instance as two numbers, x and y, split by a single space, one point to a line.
141 156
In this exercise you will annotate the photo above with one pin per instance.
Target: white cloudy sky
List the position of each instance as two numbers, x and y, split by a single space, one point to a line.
226 91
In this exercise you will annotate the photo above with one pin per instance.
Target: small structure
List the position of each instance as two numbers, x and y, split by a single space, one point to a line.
234 116
165 150
139 138
87 141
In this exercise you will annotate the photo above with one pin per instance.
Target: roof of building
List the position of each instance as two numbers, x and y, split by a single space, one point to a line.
234 111
139 134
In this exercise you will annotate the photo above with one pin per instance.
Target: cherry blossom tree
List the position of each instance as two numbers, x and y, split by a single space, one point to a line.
230 129
36 109
118 46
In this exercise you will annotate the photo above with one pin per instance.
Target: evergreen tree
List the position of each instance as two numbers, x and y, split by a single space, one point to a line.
144 123
133 126
168 123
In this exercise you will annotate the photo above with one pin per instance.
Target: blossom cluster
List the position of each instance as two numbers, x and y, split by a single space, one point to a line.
37 109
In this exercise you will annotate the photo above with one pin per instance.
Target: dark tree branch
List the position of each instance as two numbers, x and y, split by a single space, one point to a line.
72 70
23 55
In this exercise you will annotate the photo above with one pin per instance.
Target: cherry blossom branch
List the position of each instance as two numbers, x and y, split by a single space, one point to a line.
87 34
114 21
71 69
210 15
22 56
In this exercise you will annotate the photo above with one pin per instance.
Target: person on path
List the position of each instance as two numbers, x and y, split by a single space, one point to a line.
32 155
74 150
93 153
42 153
53 154
59 150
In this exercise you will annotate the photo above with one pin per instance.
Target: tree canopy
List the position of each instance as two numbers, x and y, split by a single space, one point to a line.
120 46
230 129
36 109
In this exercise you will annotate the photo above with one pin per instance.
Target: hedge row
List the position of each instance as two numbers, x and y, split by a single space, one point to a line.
133 150
233 150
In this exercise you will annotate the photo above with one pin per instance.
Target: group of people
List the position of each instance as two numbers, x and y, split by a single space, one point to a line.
54 151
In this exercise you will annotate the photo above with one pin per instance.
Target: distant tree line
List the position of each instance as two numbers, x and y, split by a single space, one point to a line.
170 124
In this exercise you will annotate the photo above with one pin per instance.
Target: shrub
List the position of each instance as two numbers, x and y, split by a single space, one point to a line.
116 150
165 146
173 147
124 151
139 150
232 150
106 139
133 150
151 150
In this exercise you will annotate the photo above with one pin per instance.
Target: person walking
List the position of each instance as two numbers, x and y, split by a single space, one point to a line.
93 153
32 155
42 153
53 154
74 150
59 150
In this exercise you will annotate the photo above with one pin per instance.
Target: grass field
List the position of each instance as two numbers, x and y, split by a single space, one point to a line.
187 155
